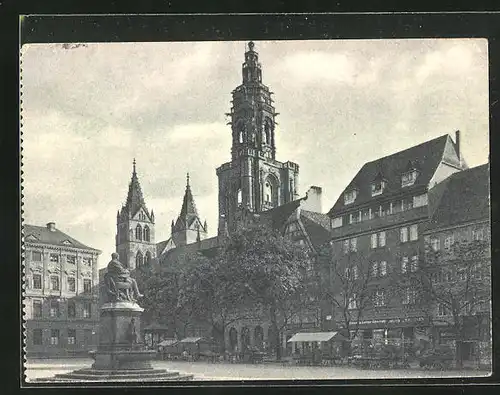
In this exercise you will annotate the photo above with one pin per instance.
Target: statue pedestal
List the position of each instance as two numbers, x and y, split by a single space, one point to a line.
116 350
117 357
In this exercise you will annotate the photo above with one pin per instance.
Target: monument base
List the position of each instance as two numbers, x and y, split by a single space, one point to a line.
121 355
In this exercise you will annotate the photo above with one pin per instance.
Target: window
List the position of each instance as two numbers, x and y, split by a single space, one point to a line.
147 258
478 234
414 232
54 308
146 233
71 336
378 240
403 236
54 337
349 245
442 310
404 264
350 197
37 337
37 308
448 242
36 256
380 298
408 178
447 277
71 259
337 222
71 309
476 272
54 258
354 218
410 296
355 273
378 188
420 200
138 232
54 283
383 268
87 285
87 309
37 281
406 204
462 274
374 269
87 261
414 263
435 244
71 284
353 302
139 259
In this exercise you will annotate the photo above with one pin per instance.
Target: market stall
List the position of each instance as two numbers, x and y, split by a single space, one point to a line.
317 348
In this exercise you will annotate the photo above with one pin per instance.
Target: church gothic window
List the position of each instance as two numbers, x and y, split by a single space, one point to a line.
267 132
138 232
239 197
139 259
147 258
146 233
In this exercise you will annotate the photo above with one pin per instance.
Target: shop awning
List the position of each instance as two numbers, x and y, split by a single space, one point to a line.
167 342
191 340
316 337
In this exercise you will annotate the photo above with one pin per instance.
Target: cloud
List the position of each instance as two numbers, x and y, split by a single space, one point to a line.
89 111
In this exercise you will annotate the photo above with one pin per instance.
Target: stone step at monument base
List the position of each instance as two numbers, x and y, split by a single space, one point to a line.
136 375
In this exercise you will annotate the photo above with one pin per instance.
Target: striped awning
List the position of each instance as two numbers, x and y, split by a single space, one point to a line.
315 337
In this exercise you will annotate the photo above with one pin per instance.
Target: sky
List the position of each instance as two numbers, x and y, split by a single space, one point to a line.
88 111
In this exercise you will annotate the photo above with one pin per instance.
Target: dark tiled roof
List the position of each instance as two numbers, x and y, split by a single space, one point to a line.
424 157
161 246
278 216
206 247
461 198
43 235
135 199
317 226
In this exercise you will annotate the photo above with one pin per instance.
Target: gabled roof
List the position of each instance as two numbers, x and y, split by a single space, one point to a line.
43 235
425 157
317 226
461 198
277 216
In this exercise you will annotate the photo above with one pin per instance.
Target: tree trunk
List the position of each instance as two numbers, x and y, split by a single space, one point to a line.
458 354
274 326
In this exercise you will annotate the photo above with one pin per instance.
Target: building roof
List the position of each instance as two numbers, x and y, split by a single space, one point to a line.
277 216
461 198
315 337
43 235
425 158
206 247
317 226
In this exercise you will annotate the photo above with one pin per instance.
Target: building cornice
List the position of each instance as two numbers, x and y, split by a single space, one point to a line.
60 247
461 225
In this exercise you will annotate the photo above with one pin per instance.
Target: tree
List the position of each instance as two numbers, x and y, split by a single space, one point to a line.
346 286
268 271
455 284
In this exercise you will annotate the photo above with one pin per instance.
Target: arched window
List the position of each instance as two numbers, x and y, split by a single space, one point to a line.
240 197
271 191
146 233
139 259
147 258
138 232
241 133
267 132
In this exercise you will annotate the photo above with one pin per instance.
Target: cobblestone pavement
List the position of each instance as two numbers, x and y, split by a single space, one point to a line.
226 371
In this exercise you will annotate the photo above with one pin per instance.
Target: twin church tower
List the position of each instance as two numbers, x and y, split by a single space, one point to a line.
253 180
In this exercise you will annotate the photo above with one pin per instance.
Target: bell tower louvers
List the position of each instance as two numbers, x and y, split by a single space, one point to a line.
254 179
135 225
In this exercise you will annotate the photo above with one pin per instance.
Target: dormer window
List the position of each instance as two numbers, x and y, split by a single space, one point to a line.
408 178
378 187
350 196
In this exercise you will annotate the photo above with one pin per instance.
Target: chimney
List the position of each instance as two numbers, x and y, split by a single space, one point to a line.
313 199
51 226
457 144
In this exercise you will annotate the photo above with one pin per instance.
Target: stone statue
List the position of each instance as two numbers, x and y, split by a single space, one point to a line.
119 285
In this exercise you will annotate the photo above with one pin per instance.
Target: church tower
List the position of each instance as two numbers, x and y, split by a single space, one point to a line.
254 180
188 228
135 236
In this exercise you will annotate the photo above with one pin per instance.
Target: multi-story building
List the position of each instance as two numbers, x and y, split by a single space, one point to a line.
459 261
377 225
60 293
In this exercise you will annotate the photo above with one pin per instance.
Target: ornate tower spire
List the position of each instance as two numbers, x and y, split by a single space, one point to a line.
188 227
251 69
135 200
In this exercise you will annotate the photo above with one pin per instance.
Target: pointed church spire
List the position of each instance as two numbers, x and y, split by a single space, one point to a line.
188 207
135 200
